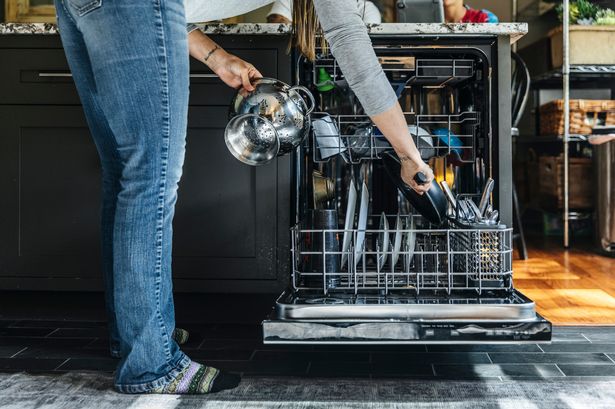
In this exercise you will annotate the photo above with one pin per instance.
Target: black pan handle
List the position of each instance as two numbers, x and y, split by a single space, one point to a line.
420 178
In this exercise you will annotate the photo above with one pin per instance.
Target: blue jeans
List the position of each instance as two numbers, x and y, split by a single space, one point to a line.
129 60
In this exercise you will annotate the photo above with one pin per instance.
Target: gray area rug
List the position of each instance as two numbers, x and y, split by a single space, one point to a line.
93 390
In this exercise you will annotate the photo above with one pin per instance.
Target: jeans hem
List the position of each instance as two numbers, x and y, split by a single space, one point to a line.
157 383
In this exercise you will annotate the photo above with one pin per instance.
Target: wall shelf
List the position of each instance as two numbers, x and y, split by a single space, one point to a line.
578 74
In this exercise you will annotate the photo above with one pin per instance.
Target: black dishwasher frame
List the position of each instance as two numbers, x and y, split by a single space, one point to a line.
373 315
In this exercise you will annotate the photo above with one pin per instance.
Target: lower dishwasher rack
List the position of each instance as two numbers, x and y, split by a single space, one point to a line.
304 318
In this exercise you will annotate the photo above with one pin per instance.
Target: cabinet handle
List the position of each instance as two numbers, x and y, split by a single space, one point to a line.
68 74
55 74
203 76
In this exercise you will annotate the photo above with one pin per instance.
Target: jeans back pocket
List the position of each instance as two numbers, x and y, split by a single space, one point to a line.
83 7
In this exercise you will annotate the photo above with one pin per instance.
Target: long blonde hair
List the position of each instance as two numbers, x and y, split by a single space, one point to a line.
306 31
307 34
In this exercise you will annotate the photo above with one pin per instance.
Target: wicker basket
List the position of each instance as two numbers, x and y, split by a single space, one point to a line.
584 115
588 45
551 183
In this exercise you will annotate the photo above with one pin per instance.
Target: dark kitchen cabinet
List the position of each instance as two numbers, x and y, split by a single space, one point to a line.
231 223
50 181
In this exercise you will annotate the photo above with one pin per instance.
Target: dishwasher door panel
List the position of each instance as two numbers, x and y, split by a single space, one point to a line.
364 319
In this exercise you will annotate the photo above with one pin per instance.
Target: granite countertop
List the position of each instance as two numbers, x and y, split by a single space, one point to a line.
514 30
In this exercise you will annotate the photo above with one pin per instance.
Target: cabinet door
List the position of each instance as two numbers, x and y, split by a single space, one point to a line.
227 213
226 224
50 183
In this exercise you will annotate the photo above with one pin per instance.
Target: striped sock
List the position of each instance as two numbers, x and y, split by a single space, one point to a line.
180 336
199 379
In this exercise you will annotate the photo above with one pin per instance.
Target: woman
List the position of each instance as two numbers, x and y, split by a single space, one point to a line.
130 64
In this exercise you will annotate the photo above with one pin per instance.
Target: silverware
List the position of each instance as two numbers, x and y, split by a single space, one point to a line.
493 217
463 211
484 200
449 194
477 213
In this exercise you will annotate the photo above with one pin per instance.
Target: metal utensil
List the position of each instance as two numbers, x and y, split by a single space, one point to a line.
323 189
484 200
448 193
463 211
251 139
282 106
477 213
494 216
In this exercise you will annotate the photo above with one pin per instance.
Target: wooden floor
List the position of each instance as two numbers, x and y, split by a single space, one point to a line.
573 287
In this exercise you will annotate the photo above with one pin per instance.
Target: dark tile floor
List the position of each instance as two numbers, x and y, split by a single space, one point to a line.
69 334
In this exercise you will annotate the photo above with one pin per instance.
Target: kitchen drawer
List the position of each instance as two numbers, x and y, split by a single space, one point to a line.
42 77
36 76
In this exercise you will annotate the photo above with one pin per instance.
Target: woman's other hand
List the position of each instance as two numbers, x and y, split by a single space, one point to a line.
234 71
410 167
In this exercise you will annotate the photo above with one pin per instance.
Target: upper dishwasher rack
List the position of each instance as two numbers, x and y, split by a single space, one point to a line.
432 92
355 139
410 69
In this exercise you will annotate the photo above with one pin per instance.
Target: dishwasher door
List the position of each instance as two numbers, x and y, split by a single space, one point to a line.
438 285
404 319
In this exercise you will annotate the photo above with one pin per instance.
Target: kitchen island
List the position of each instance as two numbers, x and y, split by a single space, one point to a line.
232 220
512 30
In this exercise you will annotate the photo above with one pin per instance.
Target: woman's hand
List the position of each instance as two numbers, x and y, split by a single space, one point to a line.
234 71
410 167
231 69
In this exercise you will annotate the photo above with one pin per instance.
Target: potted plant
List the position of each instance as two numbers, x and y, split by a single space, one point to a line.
592 35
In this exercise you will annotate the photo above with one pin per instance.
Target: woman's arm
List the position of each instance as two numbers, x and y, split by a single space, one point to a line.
234 71
352 48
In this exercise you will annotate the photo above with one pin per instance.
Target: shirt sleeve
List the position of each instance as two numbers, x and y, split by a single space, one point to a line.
352 48
283 8
372 14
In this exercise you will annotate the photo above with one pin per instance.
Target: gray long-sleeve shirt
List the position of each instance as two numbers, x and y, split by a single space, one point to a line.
345 32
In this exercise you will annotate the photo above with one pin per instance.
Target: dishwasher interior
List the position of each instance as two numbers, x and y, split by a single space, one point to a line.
367 267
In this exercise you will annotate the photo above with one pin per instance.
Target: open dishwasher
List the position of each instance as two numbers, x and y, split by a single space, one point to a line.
367 267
